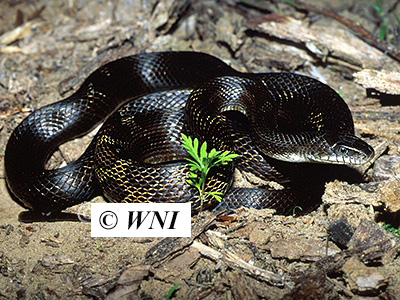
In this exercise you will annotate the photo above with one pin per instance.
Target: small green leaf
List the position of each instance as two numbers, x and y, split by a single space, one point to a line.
203 150
294 210
212 153
193 175
171 291
100 247
195 145
216 194
193 163
232 156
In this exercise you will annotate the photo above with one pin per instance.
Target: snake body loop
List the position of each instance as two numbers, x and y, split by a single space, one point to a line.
137 154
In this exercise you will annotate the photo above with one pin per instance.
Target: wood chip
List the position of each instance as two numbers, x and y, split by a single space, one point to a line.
383 81
18 33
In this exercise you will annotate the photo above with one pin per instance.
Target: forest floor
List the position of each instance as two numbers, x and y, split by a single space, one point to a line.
47 49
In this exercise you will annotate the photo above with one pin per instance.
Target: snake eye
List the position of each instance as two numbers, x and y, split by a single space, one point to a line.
352 150
343 150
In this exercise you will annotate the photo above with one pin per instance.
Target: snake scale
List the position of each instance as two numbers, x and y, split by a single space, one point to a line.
147 100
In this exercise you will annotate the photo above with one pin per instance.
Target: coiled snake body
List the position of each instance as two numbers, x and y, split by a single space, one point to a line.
137 154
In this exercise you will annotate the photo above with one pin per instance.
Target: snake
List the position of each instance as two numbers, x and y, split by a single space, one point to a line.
147 101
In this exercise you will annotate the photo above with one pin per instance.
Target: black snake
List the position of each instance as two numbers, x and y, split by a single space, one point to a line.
137 154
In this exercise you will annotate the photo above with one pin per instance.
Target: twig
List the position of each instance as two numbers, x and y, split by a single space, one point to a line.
236 262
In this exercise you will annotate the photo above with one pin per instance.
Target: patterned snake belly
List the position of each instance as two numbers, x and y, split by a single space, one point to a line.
151 98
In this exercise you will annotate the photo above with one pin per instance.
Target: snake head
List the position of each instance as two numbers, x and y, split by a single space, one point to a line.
345 149
316 147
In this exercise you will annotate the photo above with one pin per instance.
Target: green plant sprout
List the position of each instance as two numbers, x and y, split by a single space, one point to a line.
295 209
100 247
171 291
292 4
390 228
378 7
384 27
201 162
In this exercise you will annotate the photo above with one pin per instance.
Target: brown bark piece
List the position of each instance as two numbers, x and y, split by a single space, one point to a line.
179 267
384 81
302 249
324 42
